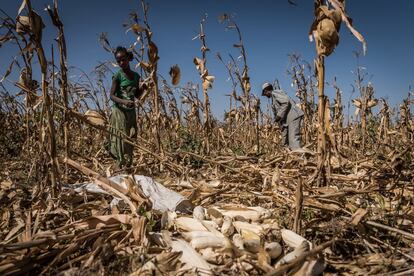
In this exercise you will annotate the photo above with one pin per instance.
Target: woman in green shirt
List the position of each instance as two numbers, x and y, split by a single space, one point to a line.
125 88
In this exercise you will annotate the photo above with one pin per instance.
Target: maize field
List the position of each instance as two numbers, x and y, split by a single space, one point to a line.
341 205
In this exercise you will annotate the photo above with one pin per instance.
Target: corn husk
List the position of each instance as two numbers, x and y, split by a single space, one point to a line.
199 213
255 228
208 241
167 219
95 118
252 246
227 227
238 241
218 221
292 239
248 213
274 249
251 241
300 250
190 257
189 236
211 256
213 212
190 224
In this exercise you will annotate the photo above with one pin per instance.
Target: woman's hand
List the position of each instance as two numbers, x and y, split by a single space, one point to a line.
128 103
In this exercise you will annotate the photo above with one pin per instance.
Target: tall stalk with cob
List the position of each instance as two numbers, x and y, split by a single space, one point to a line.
325 30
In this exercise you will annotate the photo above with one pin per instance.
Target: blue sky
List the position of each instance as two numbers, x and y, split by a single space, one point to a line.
271 30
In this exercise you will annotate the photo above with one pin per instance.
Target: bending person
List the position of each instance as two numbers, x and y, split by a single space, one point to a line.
287 114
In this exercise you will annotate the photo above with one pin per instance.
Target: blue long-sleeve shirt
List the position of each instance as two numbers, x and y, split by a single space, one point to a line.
284 107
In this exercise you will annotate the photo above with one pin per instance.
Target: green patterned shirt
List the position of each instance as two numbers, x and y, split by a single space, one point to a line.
127 89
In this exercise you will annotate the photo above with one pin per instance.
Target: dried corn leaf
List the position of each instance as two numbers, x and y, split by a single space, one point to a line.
153 53
372 103
358 216
22 6
199 63
339 6
8 71
137 29
23 25
101 221
175 74
139 229
208 82
54 15
328 125
144 65
5 38
204 49
357 102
